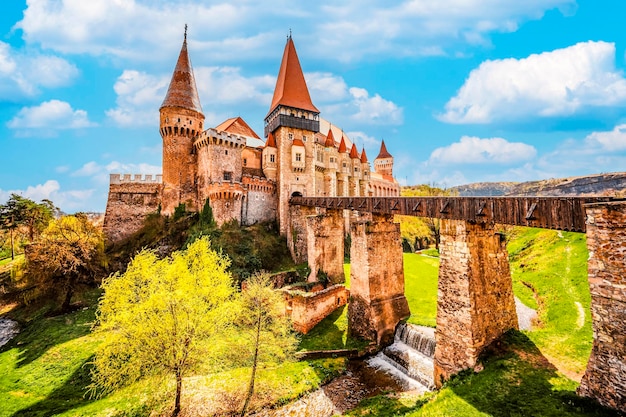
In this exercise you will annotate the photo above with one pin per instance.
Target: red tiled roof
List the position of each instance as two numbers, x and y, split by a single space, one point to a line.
237 126
330 139
353 152
182 91
383 152
271 142
291 89
363 156
342 145
298 142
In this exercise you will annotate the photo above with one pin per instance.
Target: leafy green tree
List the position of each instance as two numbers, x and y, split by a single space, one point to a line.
69 250
159 317
266 330
20 211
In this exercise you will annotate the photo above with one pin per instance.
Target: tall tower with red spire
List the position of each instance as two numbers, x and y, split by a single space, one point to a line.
292 121
383 164
181 121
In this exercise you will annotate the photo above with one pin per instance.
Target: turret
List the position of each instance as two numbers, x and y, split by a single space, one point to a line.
270 160
293 120
181 122
383 164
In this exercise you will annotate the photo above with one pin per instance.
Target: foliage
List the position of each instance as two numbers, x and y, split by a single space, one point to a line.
69 251
265 329
20 212
159 316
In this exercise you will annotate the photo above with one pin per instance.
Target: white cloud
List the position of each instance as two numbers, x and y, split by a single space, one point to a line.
375 110
361 138
473 150
139 95
563 82
100 173
23 75
227 85
326 86
614 140
50 115
347 31
68 201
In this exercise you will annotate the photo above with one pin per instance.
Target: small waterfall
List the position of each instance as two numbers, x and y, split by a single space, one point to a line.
410 357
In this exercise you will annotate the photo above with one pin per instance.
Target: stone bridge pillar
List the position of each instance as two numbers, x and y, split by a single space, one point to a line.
325 245
297 232
475 303
605 377
377 301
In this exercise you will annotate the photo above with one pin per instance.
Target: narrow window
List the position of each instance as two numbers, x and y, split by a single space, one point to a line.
298 157
245 162
227 175
272 158
291 136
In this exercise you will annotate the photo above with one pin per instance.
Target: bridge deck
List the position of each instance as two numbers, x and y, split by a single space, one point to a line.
558 213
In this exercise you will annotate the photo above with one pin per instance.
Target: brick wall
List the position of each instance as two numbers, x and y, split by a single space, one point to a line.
306 309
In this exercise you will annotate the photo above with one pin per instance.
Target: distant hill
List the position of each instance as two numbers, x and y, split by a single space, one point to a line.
611 184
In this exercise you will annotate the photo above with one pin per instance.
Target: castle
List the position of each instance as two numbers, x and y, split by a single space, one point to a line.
243 177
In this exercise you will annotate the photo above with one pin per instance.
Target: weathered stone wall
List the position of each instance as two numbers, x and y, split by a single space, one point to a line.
297 232
475 303
130 200
377 301
259 204
605 377
325 245
307 309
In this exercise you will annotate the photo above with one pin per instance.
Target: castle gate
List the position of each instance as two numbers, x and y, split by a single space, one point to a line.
475 297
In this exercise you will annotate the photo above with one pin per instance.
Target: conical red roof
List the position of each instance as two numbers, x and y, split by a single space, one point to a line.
383 152
330 139
182 91
342 145
363 157
271 142
291 89
353 152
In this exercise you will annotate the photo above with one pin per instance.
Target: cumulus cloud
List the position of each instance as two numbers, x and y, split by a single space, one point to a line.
563 82
138 96
348 31
613 140
473 150
326 86
50 115
66 200
375 110
23 75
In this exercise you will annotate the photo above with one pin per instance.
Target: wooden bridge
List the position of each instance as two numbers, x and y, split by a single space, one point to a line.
558 213
475 302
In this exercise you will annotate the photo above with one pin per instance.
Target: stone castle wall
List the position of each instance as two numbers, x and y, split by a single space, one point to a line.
259 204
131 199
605 378
306 309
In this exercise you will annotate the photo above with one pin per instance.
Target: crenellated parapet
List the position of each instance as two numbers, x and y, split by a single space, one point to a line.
212 136
135 178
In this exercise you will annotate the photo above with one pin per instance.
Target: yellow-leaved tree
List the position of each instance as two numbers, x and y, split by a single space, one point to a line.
266 332
160 316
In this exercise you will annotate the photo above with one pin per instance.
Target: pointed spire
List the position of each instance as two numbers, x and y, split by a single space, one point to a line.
271 142
342 145
383 152
182 91
363 156
330 139
354 154
291 89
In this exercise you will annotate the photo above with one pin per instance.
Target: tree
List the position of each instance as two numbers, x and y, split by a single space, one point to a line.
69 250
160 315
20 211
265 327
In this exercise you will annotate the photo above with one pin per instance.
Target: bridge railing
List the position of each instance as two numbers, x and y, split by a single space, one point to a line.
558 213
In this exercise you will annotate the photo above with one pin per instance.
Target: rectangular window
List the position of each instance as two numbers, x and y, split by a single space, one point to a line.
228 175
272 158
245 162
298 157
303 138
291 136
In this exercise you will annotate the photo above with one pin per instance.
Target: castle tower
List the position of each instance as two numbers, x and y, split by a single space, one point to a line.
355 172
181 121
383 164
343 172
270 158
293 120
365 168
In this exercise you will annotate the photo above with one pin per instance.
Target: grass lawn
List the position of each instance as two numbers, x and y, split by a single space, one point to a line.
420 288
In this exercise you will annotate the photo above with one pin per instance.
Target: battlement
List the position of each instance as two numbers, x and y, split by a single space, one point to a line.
135 178
213 136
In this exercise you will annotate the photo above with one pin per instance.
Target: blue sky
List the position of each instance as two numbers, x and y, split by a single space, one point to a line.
460 90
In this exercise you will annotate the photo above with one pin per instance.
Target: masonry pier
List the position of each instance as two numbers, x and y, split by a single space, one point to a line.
325 246
475 303
377 301
605 377
297 232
